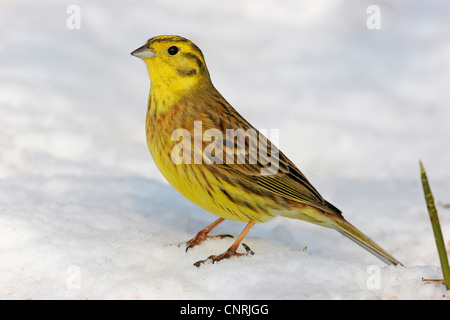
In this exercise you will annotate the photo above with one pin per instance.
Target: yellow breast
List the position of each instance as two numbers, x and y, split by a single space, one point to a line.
197 182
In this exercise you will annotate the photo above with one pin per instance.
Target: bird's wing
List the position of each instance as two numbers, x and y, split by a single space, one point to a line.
256 168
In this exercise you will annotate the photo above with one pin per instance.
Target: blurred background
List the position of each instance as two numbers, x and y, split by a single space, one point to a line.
349 100
358 89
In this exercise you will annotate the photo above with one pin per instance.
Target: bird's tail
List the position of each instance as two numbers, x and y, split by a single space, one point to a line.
348 230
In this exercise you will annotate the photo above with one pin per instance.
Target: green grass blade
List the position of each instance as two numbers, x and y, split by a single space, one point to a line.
436 227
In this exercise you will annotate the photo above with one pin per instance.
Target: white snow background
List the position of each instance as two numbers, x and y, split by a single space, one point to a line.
85 214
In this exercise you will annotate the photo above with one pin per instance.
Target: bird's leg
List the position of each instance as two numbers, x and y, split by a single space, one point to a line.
231 252
203 235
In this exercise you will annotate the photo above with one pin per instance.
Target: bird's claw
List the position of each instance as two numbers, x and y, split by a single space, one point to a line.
200 237
226 255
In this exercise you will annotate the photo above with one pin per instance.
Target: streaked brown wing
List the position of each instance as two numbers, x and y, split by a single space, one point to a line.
288 181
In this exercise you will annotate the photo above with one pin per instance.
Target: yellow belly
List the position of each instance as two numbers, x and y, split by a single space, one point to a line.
198 184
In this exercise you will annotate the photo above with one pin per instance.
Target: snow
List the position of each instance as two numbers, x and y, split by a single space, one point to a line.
85 214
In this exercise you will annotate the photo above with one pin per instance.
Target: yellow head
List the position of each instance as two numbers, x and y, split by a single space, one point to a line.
175 65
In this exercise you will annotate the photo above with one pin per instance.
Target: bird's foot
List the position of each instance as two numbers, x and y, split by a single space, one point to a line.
202 236
231 252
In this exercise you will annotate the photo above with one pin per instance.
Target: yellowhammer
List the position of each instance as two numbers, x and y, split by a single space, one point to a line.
219 161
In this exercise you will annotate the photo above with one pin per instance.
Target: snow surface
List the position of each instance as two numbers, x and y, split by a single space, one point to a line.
84 213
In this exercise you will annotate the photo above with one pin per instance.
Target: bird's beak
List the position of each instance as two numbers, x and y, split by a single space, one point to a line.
143 52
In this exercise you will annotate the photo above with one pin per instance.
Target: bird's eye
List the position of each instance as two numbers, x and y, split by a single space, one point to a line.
173 50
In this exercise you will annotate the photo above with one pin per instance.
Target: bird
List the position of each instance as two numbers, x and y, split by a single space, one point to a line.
191 135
